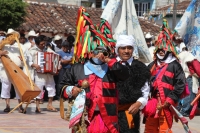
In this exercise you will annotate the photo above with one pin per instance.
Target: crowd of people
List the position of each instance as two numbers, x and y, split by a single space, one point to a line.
31 44
120 88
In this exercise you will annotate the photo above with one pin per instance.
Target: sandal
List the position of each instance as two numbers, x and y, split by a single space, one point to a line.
7 109
21 110
41 101
51 109
37 110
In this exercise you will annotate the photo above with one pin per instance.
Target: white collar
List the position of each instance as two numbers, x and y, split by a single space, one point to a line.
129 60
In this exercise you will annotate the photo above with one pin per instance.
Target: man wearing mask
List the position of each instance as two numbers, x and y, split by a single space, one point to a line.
31 39
133 92
167 84
101 73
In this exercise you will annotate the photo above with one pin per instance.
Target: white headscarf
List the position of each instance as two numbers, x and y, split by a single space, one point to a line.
123 41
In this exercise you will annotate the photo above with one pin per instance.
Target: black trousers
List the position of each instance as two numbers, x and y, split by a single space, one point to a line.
60 77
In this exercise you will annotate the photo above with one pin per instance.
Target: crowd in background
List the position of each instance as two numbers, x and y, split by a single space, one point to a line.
31 44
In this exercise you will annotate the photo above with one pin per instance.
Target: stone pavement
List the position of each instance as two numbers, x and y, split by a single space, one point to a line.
50 122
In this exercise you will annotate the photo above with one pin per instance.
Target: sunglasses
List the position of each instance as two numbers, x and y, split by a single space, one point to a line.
105 53
160 50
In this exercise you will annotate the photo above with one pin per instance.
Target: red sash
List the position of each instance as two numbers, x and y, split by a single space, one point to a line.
160 86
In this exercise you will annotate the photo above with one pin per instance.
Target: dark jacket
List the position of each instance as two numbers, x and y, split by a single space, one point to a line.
130 92
102 92
169 82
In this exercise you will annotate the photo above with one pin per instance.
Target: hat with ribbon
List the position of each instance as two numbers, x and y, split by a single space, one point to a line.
90 36
32 33
166 40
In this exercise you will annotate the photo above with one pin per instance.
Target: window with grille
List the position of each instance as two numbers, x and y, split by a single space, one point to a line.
142 8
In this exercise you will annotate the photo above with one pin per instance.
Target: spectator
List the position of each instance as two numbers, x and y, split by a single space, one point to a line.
192 81
66 60
31 39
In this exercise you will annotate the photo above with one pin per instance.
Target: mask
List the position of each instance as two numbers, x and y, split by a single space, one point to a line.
160 57
97 61
163 58
33 40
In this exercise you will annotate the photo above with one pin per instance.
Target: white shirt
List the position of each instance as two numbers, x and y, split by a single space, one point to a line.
32 59
145 89
56 49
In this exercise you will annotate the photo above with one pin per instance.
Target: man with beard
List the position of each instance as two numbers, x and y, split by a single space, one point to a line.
167 84
133 93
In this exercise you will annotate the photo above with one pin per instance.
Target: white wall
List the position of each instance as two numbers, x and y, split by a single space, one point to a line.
160 3
68 2
76 2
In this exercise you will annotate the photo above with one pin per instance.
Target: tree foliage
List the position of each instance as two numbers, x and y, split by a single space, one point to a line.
12 13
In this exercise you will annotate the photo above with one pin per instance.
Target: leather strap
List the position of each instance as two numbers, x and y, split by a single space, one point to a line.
62 108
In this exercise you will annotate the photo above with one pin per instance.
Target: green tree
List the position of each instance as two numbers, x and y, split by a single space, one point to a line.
12 13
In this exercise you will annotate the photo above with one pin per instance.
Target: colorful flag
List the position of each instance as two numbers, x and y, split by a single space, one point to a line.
116 12
188 27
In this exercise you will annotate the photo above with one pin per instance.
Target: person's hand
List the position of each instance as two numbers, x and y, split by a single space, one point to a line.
66 61
166 105
195 75
20 58
37 67
103 58
3 53
32 43
134 108
76 91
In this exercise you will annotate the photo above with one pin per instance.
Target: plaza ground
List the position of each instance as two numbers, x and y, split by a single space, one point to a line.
50 122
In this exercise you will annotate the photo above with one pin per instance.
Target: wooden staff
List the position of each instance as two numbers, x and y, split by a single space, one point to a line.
196 98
